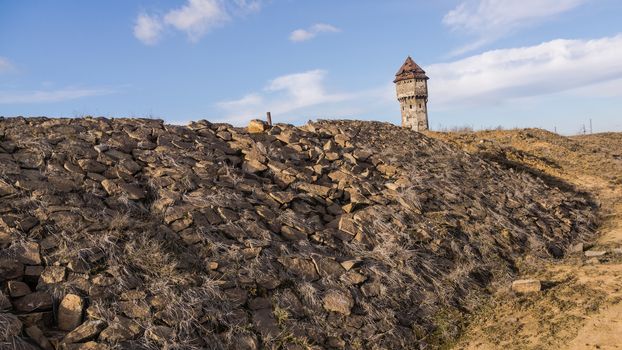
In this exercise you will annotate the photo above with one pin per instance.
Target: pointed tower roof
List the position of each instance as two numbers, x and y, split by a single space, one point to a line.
410 70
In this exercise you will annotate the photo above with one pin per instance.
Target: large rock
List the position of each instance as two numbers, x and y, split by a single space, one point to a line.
70 312
121 329
53 274
18 289
338 301
257 126
10 269
37 335
89 330
526 286
39 301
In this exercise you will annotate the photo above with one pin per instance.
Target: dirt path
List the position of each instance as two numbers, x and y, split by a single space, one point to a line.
580 306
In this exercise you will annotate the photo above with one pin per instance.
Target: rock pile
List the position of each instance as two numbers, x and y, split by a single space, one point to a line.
339 234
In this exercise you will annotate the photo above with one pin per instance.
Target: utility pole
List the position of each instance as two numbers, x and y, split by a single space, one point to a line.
590 126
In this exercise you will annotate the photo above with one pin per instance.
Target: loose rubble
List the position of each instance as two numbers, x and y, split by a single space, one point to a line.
134 234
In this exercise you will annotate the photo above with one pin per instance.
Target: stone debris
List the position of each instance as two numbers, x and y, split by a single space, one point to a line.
134 234
595 253
70 312
526 286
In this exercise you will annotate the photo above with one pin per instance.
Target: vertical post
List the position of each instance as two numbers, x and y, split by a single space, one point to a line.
590 125
269 118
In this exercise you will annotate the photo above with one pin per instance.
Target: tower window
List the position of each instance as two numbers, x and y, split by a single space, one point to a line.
411 106
420 105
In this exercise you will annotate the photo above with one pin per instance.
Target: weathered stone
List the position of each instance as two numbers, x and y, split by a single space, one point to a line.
53 274
526 286
91 166
6 189
18 289
304 268
292 234
257 126
595 253
34 301
91 345
37 335
28 253
70 312
283 197
10 269
32 274
89 330
319 190
120 330
160 334
254 166
577 248
265 323
135 309
338 301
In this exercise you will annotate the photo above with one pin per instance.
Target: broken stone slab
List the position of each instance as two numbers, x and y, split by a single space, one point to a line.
18 289
120 330
577 248
595 253
53 274
253 166
37 335
10 269
89 330
338 301
526 286
257 126
70 312
34 301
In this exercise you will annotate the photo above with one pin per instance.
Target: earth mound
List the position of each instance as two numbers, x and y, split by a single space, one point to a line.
130 233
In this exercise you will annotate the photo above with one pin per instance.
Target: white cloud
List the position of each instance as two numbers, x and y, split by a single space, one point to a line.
5 65
148 29
43 96
284 95
489 20
195 18
501 75
311 32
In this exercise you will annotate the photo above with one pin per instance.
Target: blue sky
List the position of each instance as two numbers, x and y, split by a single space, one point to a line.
514 63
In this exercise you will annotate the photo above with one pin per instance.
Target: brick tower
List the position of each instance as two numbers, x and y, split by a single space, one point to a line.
411 84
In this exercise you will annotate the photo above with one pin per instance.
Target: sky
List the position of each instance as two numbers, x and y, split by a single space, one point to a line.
553 64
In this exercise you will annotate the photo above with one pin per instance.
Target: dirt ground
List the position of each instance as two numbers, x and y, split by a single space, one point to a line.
580 306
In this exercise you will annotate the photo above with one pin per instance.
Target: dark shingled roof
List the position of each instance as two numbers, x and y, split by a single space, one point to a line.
410 70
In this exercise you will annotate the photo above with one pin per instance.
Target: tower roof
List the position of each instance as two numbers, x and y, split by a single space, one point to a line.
410 70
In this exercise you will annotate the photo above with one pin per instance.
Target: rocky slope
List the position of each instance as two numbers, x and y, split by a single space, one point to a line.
582 306
133 234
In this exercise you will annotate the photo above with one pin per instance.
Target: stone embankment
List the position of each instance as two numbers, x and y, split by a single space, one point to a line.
133 234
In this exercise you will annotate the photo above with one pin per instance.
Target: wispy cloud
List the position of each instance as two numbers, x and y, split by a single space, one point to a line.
49 96
148 29
300 35
5 65
490 20
290 96
498 76
195 18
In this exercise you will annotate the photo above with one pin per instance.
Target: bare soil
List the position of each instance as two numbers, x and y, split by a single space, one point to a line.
581 304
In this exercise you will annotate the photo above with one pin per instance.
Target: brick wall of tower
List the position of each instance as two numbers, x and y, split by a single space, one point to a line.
413 97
